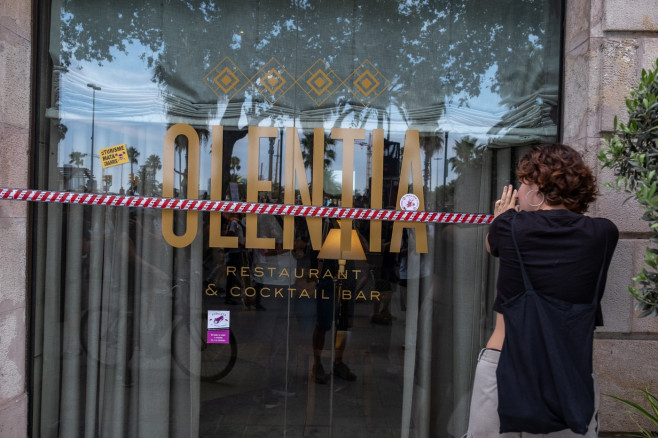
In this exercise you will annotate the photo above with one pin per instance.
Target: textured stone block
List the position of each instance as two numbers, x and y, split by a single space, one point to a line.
16 16
15 83
619 75
612 204
576 79
13 264
596 19
633 15
15 158
12 351
615 205
15 59
647 324
649 52
623 368
577 23
13 418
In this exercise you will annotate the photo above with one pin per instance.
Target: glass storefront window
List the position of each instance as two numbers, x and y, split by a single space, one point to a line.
152 323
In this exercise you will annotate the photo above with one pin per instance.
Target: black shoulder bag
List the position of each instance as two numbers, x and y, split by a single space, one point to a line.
545 376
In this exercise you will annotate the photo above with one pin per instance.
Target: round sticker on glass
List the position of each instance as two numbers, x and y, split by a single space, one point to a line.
409 202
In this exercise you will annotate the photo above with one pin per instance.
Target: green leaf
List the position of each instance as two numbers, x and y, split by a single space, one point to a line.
632 154
635 406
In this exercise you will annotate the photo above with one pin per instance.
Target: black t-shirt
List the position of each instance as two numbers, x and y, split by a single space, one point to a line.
562 252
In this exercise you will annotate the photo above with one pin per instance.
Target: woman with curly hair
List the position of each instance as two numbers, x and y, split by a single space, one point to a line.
535 374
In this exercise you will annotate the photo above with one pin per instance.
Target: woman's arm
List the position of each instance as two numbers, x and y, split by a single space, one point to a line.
498 335
506 202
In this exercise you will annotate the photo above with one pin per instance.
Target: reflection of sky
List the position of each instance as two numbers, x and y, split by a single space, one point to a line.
123 83
130 108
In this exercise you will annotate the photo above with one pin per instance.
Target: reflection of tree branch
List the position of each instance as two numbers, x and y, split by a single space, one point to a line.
456 44
440 49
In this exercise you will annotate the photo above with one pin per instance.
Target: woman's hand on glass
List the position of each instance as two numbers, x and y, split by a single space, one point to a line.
507 201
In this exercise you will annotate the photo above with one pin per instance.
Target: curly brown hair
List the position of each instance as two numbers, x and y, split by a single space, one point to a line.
560 174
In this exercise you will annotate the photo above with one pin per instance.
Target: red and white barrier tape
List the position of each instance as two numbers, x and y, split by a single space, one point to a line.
241 207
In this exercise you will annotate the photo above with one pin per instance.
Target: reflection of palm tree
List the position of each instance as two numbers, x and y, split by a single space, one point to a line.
180 146
329 184
142 177
77 158
133 153
132 157
430 144
307 150
153 164
468 155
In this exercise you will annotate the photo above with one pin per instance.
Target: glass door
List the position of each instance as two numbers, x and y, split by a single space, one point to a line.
163 323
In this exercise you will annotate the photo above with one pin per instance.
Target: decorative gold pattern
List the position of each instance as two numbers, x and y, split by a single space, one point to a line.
225 79
319 81
366 83
273 81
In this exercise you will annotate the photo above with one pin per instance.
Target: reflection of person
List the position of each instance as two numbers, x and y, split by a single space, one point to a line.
272 274
335 308
234 258
566 256
382 277
424 272
318 310
268 265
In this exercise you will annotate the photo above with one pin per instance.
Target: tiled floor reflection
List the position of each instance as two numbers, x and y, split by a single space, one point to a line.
251 400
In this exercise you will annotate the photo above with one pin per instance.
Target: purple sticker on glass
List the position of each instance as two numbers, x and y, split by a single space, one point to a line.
218 337
219 319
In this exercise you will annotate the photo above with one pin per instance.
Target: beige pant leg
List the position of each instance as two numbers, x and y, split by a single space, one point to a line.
483 420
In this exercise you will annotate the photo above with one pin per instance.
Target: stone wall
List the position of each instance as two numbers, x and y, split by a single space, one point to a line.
15 73
607 44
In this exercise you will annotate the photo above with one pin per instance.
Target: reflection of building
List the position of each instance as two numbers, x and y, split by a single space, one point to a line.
391 173
74 179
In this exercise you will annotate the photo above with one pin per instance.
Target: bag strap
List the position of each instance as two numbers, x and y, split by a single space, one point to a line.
526 279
